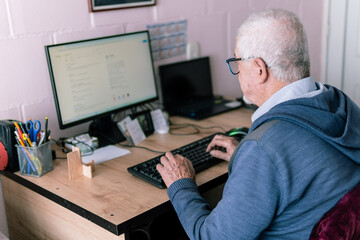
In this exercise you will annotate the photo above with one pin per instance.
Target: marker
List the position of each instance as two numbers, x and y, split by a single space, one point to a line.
46 129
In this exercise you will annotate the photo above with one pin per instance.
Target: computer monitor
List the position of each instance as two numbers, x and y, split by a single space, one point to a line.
94 78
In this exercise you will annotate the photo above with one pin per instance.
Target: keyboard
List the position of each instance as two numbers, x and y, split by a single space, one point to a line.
195 152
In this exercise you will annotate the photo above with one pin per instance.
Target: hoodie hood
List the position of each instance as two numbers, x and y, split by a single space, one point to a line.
331 115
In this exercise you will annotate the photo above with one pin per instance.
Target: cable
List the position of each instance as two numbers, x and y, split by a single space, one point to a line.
223 129
60 145
87 145
197 131
130 146
196 127
133 146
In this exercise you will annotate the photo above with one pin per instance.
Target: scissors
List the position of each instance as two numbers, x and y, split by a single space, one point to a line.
33 129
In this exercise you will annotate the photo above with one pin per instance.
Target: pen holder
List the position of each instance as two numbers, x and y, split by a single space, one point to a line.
35 161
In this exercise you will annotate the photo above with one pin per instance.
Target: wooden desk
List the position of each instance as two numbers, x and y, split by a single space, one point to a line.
113 201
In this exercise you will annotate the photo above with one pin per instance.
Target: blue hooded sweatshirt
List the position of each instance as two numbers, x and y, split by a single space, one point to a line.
281 183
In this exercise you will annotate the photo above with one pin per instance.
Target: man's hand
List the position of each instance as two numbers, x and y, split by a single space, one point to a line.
221 141
173 168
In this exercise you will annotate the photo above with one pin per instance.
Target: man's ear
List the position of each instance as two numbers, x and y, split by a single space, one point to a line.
260 69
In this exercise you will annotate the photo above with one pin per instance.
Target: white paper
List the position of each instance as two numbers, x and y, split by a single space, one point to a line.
136 133
159 121
104 154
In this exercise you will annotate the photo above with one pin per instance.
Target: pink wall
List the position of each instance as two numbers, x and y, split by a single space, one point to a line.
26 26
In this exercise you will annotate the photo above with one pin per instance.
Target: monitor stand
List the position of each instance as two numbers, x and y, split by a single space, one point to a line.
106 131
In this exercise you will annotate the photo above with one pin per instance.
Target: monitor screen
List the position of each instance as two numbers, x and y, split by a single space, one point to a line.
185 82
97 77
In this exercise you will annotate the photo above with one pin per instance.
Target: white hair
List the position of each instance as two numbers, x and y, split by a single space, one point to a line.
279 39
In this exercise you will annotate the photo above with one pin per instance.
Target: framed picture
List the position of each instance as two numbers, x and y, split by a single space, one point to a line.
101 5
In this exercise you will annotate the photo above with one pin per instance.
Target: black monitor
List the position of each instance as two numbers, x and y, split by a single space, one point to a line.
94 78
185 82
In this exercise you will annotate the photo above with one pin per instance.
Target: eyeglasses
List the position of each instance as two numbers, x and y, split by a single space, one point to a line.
233 65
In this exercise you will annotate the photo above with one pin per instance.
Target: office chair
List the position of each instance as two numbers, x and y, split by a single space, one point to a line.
342 222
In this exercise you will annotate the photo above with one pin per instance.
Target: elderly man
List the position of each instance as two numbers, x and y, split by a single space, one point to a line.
301 154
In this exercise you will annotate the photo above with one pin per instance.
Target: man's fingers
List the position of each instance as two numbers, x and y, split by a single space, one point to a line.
220 155
165 174
165 161
218 140
212 145
160 168
171 158
169 155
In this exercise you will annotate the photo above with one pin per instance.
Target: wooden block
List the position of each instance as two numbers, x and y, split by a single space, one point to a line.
75 166
88 169
74 163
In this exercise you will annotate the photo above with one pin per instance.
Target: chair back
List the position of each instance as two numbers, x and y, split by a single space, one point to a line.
342 222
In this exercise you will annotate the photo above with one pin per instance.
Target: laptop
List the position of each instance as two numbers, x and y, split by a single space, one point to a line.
187 91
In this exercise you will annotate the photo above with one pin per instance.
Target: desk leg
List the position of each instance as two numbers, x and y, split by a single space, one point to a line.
32 216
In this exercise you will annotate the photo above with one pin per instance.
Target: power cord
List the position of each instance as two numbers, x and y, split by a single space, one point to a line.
87 145
130 146
133 146
197 128
59 143
62 143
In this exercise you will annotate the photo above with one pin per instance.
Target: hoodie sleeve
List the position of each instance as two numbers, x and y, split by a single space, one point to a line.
248 204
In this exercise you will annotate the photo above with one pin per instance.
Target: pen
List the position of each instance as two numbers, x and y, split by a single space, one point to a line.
28 158
22 128
22 144
26 154
17 126
18 130
26 138
48 135
42 138
46 129
18 139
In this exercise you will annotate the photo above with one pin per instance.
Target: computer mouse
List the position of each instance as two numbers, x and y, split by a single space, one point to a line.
238 133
